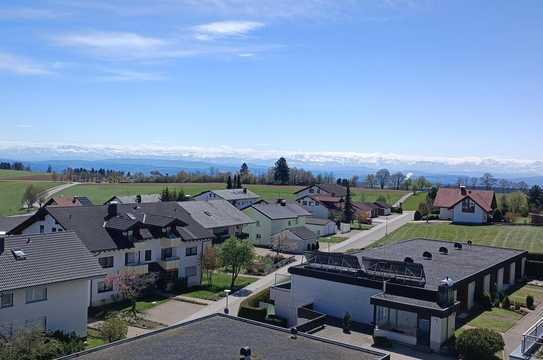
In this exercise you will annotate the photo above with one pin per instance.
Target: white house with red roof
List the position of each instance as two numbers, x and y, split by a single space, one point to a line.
461 205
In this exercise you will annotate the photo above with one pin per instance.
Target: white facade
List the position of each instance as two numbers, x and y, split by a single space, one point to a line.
323 230
314 207
457 215
261 231
313 190
64 308
238 203
291 243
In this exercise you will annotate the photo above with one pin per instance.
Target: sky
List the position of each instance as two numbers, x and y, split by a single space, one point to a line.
451 78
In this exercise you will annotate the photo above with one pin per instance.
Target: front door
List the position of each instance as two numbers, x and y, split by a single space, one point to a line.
423 332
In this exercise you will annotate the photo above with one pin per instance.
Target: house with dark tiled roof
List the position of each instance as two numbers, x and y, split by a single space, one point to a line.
271 219
69 201
412 291
333 190
295 240
134 199
462 205
240 198
219 337
321 206
45 281
159 237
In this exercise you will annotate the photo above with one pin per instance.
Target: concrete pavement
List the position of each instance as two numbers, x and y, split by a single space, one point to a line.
513 336
358 241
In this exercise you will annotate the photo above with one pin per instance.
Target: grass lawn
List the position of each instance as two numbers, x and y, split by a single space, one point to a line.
334 239
371 195
101 312
520 295
516 237
6 174
496 319
412 203
99 193
220 282
94 339
11 193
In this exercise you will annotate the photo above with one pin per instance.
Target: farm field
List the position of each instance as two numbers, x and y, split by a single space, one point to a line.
23 175
510 236
99 193
11 193
412 203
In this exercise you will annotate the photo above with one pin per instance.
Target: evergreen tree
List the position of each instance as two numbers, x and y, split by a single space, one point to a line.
244 170
229 182
49 169
238 183
348 210
165 195
281 171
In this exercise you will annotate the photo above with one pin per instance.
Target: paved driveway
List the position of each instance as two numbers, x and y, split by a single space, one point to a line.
172 312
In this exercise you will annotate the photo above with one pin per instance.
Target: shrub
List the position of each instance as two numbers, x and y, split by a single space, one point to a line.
479 344
249 309
485 301
113 329
497 215
506 303
382 342
417 216
530 302
517 306
347 322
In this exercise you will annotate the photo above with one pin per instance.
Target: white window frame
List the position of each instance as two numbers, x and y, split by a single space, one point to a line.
3 303
35 294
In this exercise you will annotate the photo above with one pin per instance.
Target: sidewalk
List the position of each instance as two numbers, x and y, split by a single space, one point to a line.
513 336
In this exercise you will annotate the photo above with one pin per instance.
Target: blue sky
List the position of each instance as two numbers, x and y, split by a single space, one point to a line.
421 77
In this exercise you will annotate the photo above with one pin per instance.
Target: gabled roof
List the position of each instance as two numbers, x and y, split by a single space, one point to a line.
333 189
63 201
317 221
132 199
302 232
100 231
235 194
9 223
277 211
449 197
365 206
50 258
84 200
215 213
382 205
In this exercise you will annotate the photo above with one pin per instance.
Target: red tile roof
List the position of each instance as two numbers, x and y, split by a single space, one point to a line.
449 197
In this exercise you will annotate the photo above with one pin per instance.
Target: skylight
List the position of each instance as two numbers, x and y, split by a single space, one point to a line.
18 254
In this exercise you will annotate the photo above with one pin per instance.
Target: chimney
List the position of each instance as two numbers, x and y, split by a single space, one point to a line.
138 199
112 209
2 241
463 190
283 203
245 353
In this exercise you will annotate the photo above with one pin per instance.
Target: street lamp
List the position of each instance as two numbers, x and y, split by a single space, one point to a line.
227 292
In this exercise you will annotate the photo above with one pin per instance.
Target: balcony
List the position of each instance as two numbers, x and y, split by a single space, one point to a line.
168 242
170 263
136 268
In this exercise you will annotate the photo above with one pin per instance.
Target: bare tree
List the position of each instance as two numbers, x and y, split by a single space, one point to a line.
30 196
382 176
397 179
488 181
210 262
371 181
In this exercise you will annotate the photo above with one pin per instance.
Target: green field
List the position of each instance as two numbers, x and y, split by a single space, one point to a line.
511 236
371 195
99 193
11 193
412 203
7 174
497 319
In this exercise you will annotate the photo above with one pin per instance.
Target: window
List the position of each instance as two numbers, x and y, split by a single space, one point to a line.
6 300
468 206
190 271
106 262
258 223
311 191
191 251
130 258
258 236
304 202
148 255
397 320
167 253
104 286
42 229
36 294
54 229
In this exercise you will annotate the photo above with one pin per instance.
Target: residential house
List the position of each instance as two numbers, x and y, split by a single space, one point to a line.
383 209
462 205
321 206
295 240
368 210
321 227
219 336
219 216
44 282
150 237
135 199
9 223
240 198
332 190
271 219
68 201
410 292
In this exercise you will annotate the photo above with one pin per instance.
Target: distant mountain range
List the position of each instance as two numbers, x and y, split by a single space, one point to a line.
171 160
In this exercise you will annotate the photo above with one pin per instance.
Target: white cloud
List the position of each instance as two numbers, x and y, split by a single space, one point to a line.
21 66
223 29
129 76
25 13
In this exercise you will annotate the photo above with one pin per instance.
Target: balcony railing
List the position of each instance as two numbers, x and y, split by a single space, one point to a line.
137 268
170 263
532 339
